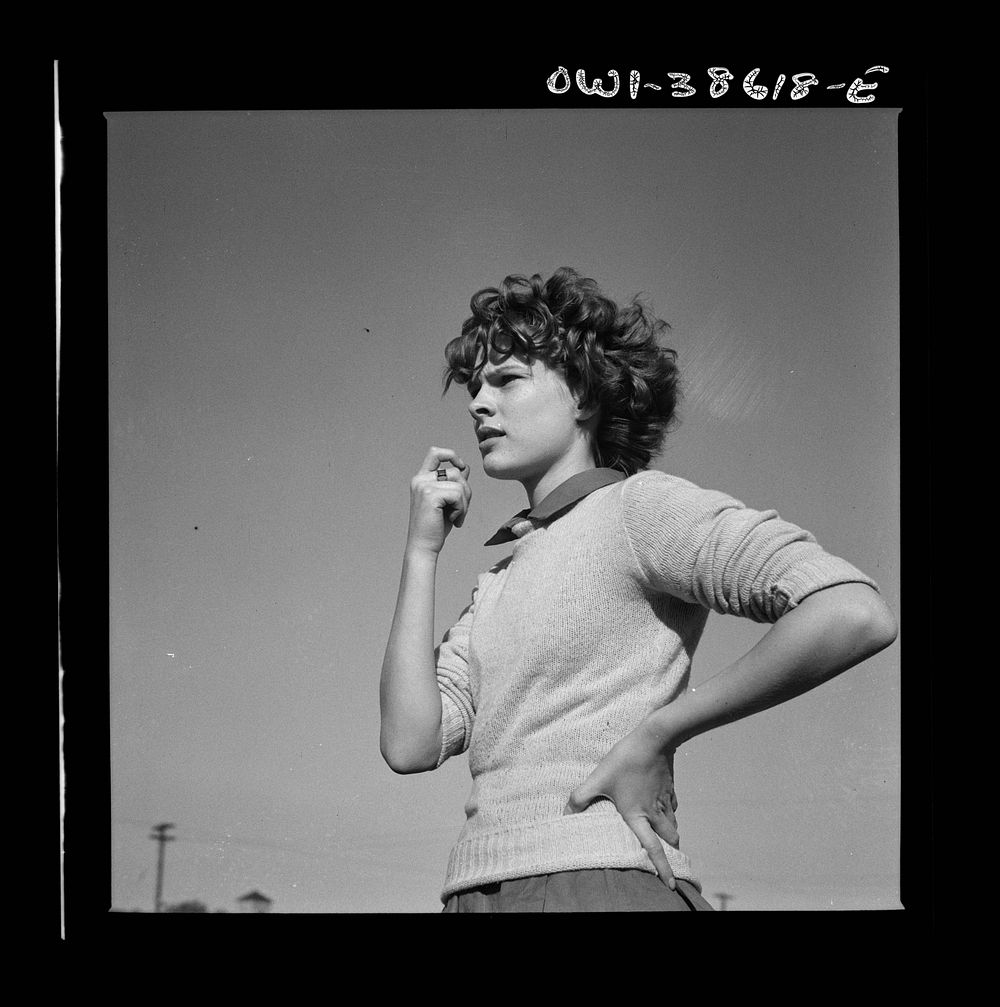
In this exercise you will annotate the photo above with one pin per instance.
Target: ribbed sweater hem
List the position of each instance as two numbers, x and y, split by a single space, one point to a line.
568 843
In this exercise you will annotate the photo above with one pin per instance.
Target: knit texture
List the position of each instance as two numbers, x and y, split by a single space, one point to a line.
573 639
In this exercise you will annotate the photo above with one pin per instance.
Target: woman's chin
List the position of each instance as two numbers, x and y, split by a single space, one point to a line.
496 468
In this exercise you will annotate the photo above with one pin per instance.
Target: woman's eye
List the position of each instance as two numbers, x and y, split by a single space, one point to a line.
508 378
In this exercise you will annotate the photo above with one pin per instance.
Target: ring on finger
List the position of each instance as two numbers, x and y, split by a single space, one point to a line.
442 474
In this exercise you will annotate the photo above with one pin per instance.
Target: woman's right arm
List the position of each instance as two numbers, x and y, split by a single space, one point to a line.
410 700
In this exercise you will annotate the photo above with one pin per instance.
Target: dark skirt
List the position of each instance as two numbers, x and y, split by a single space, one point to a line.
592 891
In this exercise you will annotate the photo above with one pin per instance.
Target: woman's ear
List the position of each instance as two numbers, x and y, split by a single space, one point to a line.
584 413
588 415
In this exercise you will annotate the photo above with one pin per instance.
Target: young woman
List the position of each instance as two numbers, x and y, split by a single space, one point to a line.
566 678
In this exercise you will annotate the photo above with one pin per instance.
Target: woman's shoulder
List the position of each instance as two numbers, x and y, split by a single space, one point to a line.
498 570
652 492
656 483
658 480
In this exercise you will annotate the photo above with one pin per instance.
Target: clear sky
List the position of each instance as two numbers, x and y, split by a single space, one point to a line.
281 288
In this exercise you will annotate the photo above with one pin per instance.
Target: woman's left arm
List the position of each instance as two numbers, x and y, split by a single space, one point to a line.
828 632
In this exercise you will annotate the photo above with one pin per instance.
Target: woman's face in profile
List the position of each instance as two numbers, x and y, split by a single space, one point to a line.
525 417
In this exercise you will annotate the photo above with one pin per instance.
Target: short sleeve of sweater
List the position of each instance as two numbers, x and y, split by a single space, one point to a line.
457 709
707 548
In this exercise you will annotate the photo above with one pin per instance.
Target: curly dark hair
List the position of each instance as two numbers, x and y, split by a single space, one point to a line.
610 356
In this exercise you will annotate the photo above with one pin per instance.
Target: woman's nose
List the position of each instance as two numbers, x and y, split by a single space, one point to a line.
481 406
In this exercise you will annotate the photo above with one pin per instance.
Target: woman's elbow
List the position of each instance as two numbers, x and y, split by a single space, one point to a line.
406 766
874 624
406 760
888 628
854 620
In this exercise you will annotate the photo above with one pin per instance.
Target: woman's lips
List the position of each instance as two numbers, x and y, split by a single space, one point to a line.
487 434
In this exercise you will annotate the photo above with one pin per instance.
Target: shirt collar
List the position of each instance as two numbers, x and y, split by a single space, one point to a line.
567 493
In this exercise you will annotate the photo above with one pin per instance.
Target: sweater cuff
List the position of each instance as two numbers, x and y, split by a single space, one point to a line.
814 574
454 730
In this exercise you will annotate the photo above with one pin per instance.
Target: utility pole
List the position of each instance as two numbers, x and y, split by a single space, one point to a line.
723 898
160 835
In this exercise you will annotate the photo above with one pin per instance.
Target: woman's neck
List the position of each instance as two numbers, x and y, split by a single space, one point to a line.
539 489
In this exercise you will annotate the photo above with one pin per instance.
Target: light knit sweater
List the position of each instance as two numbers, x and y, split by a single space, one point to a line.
573 639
